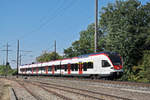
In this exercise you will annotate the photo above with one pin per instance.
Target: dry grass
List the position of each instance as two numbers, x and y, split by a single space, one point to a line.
4 90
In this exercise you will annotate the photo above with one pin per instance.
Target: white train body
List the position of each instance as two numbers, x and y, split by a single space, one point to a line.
101 64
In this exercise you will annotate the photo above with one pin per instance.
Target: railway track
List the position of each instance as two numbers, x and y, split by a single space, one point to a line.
14 94
14 91
55 90
58 90
28 90
123 83
22 84
85 93
64 89
68 91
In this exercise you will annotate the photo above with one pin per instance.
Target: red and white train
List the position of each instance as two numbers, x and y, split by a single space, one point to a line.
102 64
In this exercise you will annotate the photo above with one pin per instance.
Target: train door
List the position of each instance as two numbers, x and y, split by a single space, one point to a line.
69 68
22 71
32 70
53 69
80 68
46 68
25 70
97 69
37 70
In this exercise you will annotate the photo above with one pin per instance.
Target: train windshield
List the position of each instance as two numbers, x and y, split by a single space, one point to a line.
115 59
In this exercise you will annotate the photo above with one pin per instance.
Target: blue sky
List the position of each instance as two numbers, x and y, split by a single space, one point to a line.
38 23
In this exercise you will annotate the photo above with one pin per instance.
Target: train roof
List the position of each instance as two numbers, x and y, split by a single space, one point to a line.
81 56
93 54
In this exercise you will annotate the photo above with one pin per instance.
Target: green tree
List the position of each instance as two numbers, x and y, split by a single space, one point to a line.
48 56
6 70
141 73
126 27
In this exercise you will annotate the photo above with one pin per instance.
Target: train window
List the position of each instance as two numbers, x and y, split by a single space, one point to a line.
39 68
105 63
85 66
116 59
58 67
72 67
29 69
55 67
50 68
42 69
76 67
65 67
90 65
62 67
34 69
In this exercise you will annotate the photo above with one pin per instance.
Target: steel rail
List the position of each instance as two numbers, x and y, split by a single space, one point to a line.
50 85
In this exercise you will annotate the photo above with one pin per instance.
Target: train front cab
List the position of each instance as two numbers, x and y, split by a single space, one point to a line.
110 65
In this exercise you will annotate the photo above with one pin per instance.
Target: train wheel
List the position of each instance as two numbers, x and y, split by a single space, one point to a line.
98 77
93 77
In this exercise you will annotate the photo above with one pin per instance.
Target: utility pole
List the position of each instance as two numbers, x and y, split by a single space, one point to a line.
7 50
6 53
20 58
17 57
7 63
3 62
55 49
96 24
6 69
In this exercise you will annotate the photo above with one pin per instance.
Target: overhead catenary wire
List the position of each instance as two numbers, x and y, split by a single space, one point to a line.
47 20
